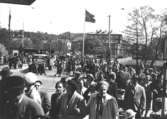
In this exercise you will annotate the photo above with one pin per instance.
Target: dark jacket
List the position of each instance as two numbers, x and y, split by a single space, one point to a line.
45 101
26 109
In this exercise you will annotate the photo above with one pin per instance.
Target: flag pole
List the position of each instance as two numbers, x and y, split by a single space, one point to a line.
9 24
83 40
109 39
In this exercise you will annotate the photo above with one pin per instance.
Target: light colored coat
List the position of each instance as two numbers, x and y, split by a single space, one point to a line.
139 97
110 107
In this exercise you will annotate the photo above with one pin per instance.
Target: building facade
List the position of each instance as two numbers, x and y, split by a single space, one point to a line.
119 47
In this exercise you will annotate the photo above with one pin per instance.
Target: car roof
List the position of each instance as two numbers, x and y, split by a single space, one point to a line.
40 55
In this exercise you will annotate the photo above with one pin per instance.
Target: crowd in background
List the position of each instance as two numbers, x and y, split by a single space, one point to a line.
90 88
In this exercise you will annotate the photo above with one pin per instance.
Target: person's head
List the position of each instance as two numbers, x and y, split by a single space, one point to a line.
88 79
5 72
103 87
33 84
59 87
15 87
82 83
125 68
154 76
77 74
32 81
112 77
71 86
148 77
134 80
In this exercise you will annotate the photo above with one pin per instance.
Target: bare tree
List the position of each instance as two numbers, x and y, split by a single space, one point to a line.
160 33
144 26
133 31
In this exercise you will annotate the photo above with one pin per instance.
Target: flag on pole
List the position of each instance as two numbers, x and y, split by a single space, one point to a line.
89 17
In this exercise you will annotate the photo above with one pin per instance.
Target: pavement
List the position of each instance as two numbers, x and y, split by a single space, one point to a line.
49 80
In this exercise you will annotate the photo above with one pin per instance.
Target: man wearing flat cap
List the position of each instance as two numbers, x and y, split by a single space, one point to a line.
18 105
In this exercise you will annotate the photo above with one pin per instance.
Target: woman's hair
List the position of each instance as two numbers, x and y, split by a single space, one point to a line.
105 83
72 84
59 82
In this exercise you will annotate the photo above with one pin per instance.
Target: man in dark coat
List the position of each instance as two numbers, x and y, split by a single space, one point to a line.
5 73
135 97
17 104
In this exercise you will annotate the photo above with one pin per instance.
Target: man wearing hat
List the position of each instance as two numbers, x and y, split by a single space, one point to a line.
33 91
17 104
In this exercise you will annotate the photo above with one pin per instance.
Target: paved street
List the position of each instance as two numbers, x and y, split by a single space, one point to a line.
49 80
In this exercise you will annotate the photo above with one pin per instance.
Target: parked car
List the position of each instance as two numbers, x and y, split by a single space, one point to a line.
42 59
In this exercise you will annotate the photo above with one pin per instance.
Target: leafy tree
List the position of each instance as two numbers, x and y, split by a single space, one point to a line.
3 50
4 37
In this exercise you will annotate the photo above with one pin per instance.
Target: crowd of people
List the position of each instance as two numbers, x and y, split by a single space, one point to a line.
93 89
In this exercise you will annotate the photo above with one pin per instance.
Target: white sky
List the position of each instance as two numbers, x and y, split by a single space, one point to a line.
58 16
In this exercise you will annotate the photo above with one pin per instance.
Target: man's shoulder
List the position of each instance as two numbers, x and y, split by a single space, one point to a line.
54 95
43 93
94 95
140 87
110 98
32 105
78 95
27 101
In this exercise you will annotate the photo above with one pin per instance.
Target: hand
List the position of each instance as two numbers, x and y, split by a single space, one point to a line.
155 91
76 110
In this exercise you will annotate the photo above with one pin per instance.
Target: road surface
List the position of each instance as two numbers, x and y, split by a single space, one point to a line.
49 80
